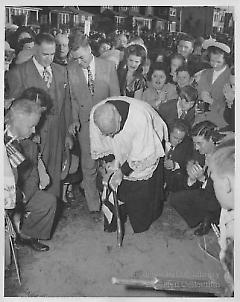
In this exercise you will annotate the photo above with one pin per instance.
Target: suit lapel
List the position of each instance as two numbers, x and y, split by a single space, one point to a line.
56 85
36 77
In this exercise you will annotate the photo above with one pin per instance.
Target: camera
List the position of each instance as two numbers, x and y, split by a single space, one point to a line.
203 106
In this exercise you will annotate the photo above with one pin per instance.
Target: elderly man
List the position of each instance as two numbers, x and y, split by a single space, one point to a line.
41 72
129 133
62 49
91 80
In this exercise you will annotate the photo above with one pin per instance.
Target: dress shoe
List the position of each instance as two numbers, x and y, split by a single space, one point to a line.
35 244
203 228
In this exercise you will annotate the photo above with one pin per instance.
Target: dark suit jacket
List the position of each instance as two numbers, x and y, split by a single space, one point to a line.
181 154
54 128
105 85
28 177
168 112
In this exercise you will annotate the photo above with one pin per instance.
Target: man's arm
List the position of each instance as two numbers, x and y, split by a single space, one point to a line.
15 82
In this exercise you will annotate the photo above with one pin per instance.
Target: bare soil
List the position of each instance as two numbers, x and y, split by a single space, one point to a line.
83 258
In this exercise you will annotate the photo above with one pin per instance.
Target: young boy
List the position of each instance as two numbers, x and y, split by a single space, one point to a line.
222 169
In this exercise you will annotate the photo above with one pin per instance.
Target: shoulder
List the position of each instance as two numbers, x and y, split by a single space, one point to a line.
103 63
169 104
170 86
58 67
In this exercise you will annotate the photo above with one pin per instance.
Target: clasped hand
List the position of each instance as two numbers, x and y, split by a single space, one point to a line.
168 164
195 171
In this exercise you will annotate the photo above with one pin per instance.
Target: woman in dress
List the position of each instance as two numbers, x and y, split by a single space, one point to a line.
130 72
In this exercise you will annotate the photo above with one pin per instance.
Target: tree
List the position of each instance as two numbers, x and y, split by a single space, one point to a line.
19 20
105 22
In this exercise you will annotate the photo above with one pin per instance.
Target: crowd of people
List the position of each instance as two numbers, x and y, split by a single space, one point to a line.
158 123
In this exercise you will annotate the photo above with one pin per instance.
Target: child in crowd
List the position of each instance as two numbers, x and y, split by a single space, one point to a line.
176 61
184 76
182 107
158 91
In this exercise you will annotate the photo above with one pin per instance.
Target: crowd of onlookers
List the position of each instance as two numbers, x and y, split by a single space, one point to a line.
183 90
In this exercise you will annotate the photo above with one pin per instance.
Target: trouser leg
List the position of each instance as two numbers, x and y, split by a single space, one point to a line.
40 213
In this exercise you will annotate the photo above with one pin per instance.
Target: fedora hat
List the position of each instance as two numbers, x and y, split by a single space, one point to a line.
70 163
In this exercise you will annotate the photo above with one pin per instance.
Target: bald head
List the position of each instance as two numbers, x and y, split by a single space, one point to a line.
107 119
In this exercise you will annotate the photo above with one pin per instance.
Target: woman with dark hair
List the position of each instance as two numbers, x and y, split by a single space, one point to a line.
211 83
159 90
21 33
198 204
130 72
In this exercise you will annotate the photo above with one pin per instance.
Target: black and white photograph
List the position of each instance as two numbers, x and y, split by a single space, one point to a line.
119 151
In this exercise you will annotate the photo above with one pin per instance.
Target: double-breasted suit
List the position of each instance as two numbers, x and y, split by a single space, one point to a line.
54 128
105 85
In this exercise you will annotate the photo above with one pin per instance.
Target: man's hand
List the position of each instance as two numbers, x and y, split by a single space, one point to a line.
195 172
168 164
74 128
68 142
116 179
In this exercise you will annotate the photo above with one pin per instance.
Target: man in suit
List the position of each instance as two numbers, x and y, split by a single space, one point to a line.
179 150
41 72
91 80
182 108
37 205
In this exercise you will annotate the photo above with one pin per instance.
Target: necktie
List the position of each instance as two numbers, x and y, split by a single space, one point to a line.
170 153
90 81
47 76
183 114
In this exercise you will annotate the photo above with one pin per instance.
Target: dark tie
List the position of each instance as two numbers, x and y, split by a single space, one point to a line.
90 81
170 153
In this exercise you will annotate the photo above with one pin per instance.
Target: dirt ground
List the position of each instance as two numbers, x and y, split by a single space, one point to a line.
83 258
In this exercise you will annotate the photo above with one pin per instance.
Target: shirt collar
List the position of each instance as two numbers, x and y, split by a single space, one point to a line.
219 71
40 68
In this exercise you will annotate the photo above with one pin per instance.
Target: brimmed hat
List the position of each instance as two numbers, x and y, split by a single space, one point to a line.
211 42
70 163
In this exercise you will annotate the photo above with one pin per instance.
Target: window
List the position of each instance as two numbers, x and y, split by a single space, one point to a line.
64 18
172 12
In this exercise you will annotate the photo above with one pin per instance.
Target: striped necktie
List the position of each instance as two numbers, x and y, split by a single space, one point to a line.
47 77
90 81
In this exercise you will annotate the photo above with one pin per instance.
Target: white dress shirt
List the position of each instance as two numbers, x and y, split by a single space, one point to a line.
92 68
40 68
216 74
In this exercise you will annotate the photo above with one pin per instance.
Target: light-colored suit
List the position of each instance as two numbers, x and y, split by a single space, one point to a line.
216 91
54 128
105 85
